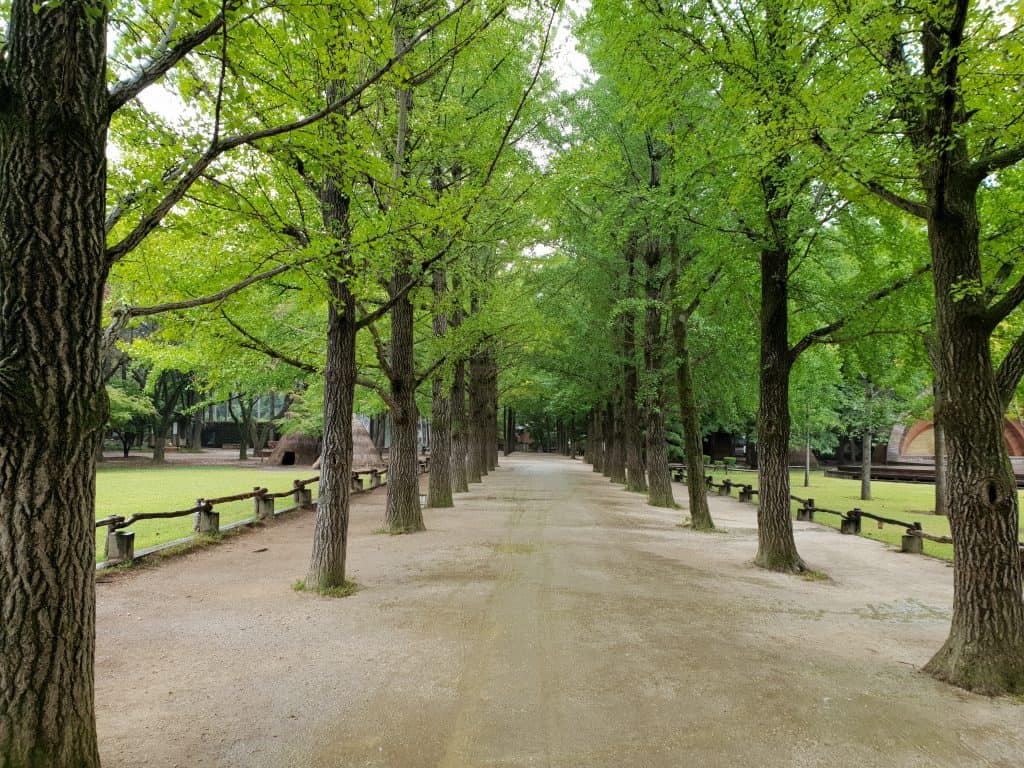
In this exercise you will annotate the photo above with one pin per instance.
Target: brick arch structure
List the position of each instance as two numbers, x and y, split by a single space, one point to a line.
1013 433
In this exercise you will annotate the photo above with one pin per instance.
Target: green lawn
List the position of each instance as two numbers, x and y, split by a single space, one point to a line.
912 502
124 491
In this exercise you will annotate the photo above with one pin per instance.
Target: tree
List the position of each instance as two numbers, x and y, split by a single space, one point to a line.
55 112
925 77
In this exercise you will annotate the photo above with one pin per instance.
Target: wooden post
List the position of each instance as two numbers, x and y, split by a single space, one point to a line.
357 482
303 496
806 511
207 522
912 544
264 506
120 547
725 487
374 478
851 523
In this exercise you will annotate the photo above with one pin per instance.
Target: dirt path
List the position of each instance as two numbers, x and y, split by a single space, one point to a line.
549 620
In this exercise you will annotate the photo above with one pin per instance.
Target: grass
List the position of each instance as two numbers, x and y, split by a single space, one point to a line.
913 502
346 589
126 490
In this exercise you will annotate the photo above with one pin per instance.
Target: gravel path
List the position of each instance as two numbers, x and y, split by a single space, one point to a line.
550 620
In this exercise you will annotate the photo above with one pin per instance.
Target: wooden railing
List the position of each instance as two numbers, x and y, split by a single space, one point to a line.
119 546
849 522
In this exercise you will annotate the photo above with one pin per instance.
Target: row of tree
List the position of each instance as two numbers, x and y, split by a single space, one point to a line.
792 199
326 201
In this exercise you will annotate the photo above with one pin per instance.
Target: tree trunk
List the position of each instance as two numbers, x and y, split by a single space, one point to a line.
460 481
700 514
985 648
403 513
597 433
439 483
159 448
807 461
659 478
492 413
330 528
636 478
865 466
53 405
475 464
615 465
776 548
940 469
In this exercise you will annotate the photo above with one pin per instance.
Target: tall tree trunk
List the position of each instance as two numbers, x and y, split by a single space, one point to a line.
53 267
636 477
700 514
776 548
460 447
330 526
865 465
597 452
659 477
615 465
403 514
439 483
159 448
985 648
940 470
492 412
475 462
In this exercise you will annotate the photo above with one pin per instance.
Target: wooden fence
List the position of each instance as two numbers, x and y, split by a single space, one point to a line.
120 543
849 522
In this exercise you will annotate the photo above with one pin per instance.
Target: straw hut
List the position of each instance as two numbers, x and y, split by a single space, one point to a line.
295 450
364 453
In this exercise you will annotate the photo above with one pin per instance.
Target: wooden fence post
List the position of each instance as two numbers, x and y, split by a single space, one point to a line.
303 496
851 523
207 520
264 505
120 546
806 511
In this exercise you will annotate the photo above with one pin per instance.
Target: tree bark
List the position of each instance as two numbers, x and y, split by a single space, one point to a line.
53 405
460 481
439 483
615 463
659 478
985 648
597 435
940 470
636 477
776 547
865 465
700 514
475 461
492 413
330 526
403 514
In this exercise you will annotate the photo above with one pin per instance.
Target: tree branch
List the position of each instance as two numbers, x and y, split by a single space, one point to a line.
997 161
219 146
258 345
165 57
1010 371
920 210
380 389
1009 302
821 335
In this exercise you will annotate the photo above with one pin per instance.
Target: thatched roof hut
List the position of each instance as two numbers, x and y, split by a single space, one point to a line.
364 453
295 449
303 449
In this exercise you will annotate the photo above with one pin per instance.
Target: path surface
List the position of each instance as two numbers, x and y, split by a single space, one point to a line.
550 619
